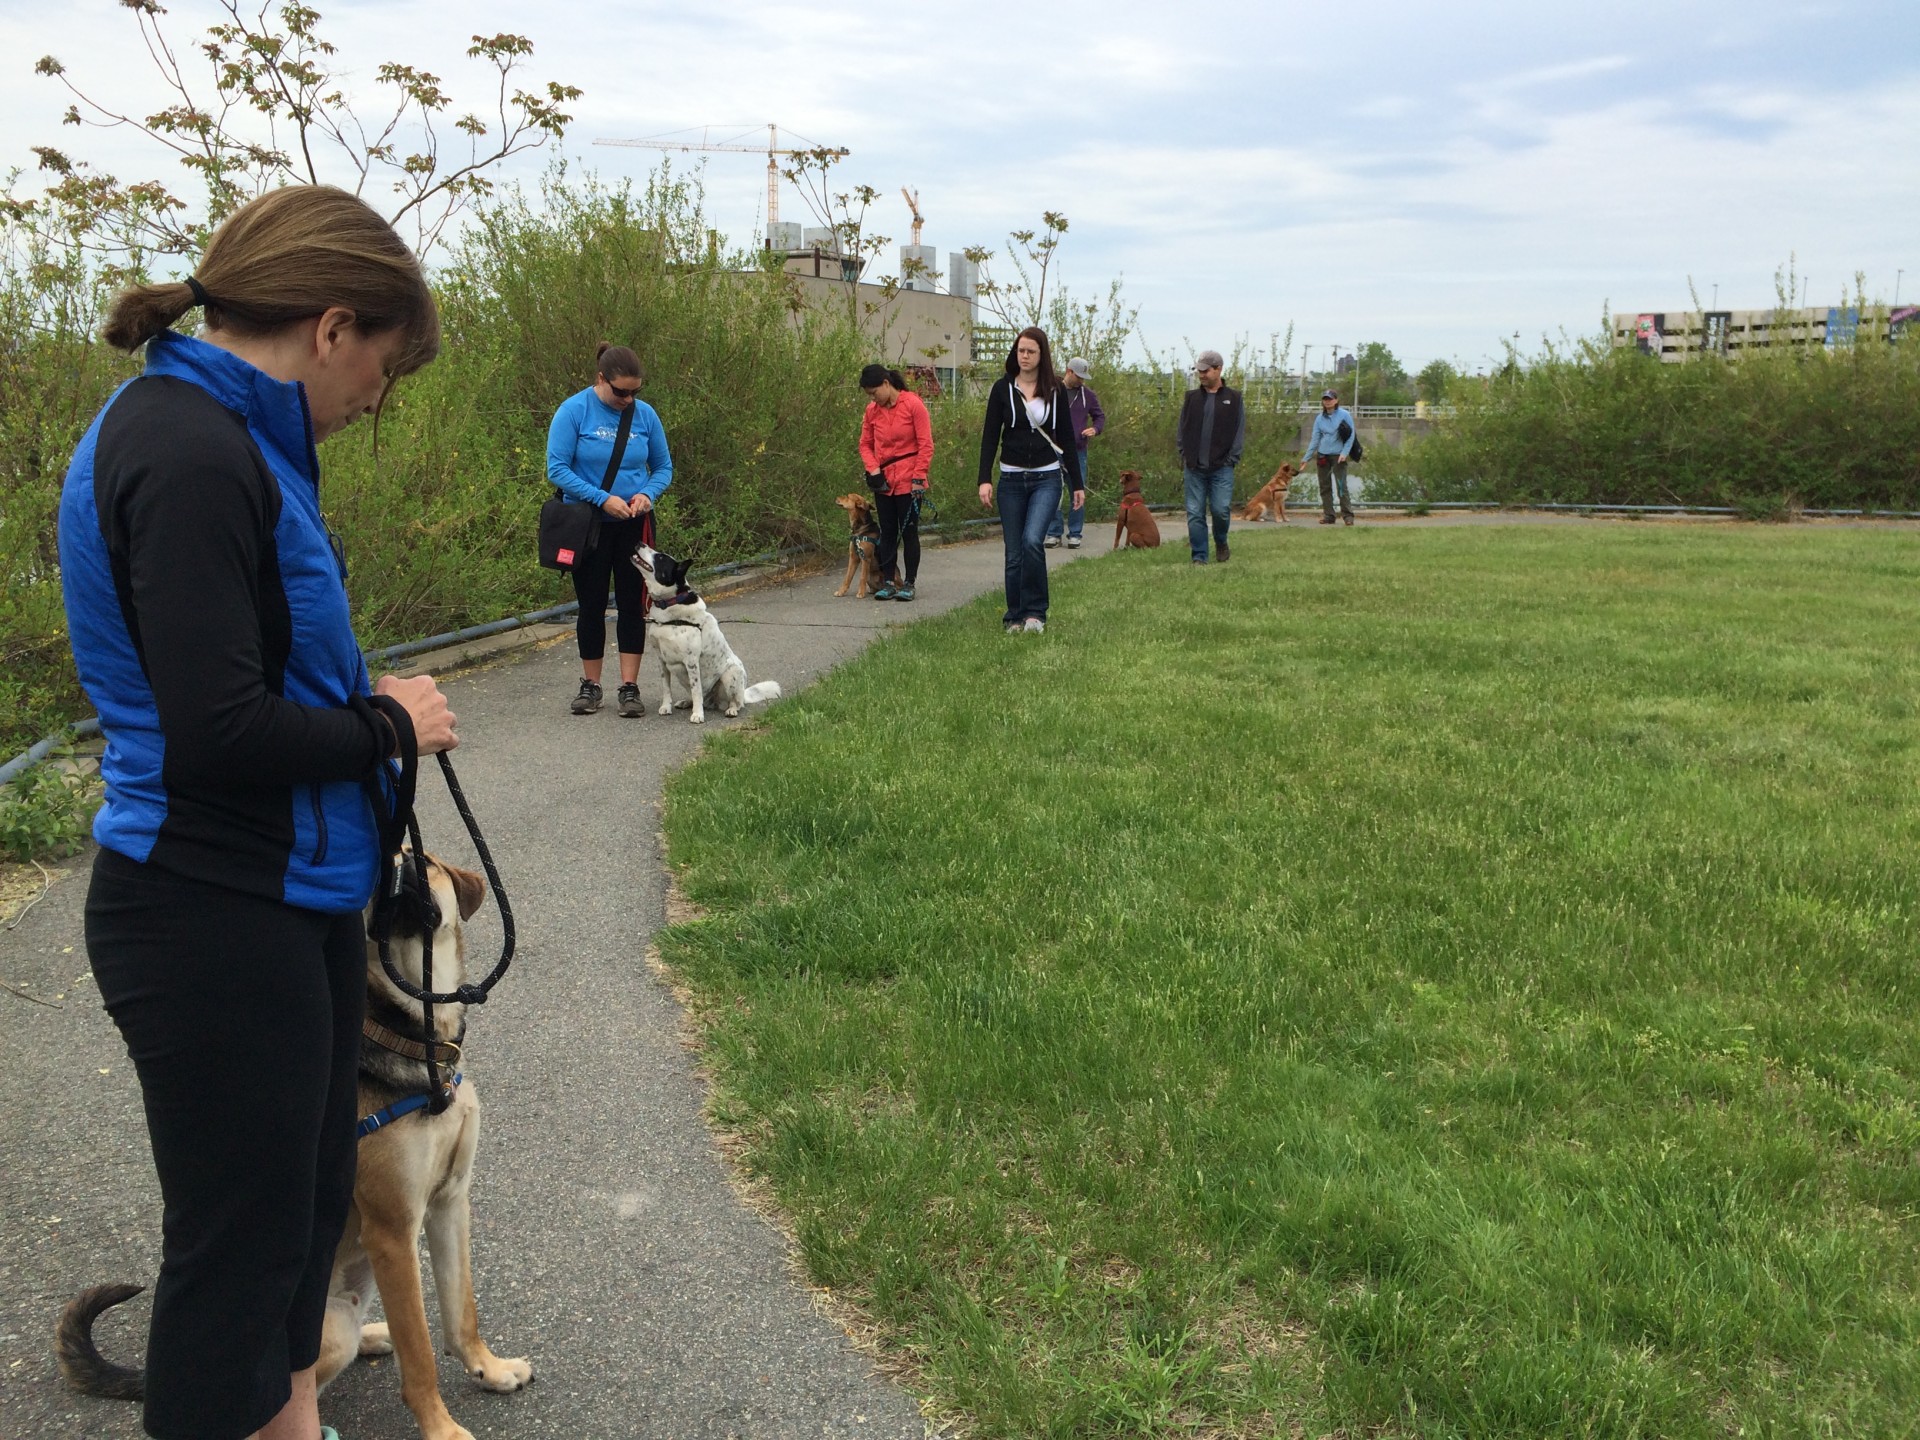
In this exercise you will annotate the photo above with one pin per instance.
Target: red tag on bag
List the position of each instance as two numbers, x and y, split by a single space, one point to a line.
565 557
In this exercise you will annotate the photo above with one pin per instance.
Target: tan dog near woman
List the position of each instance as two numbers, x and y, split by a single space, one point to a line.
414 1174
863 538
1135 525
1271 498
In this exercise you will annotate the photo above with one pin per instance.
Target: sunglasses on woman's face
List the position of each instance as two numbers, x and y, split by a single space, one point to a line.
620 394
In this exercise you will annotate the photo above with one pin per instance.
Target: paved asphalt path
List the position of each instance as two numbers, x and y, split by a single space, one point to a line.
609 1247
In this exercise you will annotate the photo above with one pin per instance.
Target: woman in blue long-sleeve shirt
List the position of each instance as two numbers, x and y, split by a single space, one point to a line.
580 443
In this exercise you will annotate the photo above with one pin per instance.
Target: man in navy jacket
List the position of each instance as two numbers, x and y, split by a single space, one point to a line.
1213 428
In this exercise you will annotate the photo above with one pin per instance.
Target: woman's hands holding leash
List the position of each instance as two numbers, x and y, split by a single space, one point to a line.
618 509
433 722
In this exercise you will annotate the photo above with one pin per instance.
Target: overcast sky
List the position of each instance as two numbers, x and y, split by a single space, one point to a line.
1437 177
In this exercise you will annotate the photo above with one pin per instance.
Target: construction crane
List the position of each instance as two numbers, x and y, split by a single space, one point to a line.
912 197
772 149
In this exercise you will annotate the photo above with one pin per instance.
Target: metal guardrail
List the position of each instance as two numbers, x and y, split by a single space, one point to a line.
82 729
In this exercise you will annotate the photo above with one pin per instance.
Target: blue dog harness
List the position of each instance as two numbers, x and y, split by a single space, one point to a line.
400 1108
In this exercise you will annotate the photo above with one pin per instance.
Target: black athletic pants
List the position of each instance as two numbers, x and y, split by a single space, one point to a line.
610 560
899 533
242 1016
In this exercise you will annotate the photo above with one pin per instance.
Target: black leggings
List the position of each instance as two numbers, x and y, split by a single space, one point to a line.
899 521
609 560
242 1016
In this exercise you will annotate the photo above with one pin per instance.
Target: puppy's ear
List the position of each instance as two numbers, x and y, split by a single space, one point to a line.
468 888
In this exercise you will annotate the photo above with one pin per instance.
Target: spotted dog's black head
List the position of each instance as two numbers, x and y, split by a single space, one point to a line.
665 574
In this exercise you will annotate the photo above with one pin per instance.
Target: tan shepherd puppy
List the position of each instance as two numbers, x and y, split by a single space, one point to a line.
414 1174
1271 498
863 540
1135 525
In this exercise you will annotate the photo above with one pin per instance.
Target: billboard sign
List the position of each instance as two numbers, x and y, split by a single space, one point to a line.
1646 333
1902 322
1716 332
1842 326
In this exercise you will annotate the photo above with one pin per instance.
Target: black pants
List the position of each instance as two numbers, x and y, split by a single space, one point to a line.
611 560
242 1016
899 519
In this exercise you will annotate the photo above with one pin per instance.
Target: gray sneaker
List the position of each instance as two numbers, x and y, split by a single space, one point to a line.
1035 625
630 705
588 700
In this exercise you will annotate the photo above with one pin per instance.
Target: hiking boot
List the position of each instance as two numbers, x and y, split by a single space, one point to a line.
1326 519
630 701
1348 517
885 592
588 700
1073 542
1221 553
1053 542
1035 625
904 592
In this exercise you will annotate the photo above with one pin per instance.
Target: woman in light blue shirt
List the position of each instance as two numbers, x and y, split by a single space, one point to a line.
580 446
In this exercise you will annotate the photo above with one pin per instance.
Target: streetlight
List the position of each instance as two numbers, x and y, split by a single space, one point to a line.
1896 288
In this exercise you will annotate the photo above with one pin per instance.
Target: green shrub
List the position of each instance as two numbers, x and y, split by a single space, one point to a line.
1778 428
45 813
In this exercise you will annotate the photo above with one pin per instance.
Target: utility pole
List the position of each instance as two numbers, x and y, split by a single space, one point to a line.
1896 288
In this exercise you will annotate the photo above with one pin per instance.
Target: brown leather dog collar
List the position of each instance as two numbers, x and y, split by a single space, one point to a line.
413 1049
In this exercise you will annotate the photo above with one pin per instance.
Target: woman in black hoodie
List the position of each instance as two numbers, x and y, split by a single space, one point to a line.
1030 426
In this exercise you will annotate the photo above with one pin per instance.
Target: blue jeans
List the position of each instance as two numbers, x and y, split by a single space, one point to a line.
1333 473
1208 490
1074 521
1026 499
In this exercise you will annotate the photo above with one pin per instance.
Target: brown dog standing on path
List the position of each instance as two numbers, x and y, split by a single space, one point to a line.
1271 498
863 538
1135 525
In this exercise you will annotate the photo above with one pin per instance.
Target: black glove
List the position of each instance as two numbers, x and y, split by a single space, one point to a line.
876 483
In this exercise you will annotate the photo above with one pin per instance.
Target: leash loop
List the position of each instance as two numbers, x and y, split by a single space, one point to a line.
406 895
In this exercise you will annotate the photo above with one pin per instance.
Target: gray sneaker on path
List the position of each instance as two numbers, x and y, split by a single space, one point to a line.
588 700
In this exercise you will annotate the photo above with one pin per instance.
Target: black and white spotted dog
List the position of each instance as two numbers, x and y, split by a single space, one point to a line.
692 651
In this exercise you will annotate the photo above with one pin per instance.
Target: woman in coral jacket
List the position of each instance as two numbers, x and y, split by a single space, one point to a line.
896 446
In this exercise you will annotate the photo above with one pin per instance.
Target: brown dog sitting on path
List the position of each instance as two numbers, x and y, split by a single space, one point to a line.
414 1175
863 540
1135 525
1271 498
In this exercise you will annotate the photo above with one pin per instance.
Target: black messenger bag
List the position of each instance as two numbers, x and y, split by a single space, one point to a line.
569 529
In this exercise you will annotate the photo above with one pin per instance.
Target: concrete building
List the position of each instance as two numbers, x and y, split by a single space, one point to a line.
916 325
1677 336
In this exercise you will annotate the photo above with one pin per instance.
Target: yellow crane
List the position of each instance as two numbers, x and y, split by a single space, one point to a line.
912 197
772 150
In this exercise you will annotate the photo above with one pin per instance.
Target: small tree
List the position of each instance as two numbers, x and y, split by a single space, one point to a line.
1097 329
270 110
1434 380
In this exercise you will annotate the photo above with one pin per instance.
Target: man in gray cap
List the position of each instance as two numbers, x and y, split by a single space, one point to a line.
1089 420
1212 430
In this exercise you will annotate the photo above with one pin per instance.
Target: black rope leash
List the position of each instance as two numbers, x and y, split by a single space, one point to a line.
406 903
465 994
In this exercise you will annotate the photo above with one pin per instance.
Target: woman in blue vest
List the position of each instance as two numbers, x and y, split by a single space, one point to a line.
207 609
582 442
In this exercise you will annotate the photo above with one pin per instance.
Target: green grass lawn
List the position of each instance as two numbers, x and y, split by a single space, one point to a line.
1408 981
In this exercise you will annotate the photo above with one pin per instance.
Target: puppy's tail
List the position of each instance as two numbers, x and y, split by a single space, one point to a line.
765 690
81 1362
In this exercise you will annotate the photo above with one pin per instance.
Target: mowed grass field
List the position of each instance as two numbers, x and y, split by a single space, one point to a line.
1409 981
